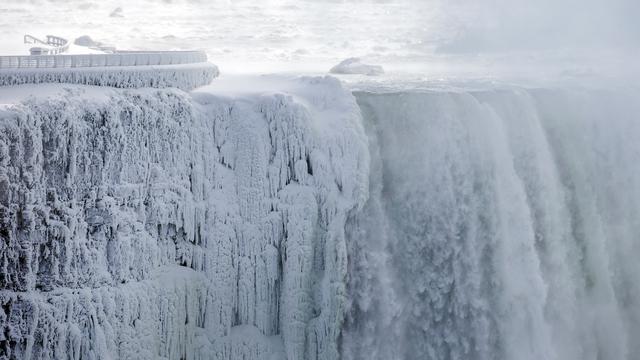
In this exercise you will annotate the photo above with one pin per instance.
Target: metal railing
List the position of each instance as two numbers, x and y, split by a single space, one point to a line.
56 45
124 58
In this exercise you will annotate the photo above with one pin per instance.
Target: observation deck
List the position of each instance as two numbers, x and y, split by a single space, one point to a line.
49 63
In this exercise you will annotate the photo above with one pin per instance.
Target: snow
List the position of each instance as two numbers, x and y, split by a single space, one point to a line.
75 47
156 224
356 66
85 40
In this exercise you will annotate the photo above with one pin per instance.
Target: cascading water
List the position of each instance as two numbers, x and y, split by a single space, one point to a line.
500 225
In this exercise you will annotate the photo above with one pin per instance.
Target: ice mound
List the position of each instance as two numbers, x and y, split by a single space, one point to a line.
86 40
355 66
117 12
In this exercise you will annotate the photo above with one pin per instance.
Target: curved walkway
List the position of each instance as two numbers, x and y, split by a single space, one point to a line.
120 58
52 46
181 69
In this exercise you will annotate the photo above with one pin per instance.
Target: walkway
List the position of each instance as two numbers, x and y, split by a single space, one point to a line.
52 46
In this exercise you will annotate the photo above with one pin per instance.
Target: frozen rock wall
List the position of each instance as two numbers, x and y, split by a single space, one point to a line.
156 224
502 225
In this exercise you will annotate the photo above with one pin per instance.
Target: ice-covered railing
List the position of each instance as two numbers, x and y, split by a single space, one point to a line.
121 58
124 69
56 45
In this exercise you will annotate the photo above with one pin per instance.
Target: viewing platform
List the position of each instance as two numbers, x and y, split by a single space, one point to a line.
49 63
52 46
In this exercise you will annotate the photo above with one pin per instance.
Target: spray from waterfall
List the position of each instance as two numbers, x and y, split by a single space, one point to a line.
501 225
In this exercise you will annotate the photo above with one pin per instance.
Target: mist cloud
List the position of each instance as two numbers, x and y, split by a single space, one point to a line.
499 25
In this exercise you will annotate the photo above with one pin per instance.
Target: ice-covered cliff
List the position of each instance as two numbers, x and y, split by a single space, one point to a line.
241 222
501 225
156 224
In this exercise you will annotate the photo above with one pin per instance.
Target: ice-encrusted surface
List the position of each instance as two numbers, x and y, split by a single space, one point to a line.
501 225
185 76
156 224
356 66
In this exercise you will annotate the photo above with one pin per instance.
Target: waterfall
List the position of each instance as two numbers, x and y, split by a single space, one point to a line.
501 225
316 223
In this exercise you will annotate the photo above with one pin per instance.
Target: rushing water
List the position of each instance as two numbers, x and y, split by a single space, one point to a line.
501 225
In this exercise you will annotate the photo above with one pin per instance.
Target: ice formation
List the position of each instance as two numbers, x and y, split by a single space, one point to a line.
156 224
312 223
116 13
501 225
356 66
87 41
184 76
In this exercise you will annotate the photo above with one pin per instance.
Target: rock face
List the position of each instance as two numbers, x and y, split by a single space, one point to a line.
150 224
